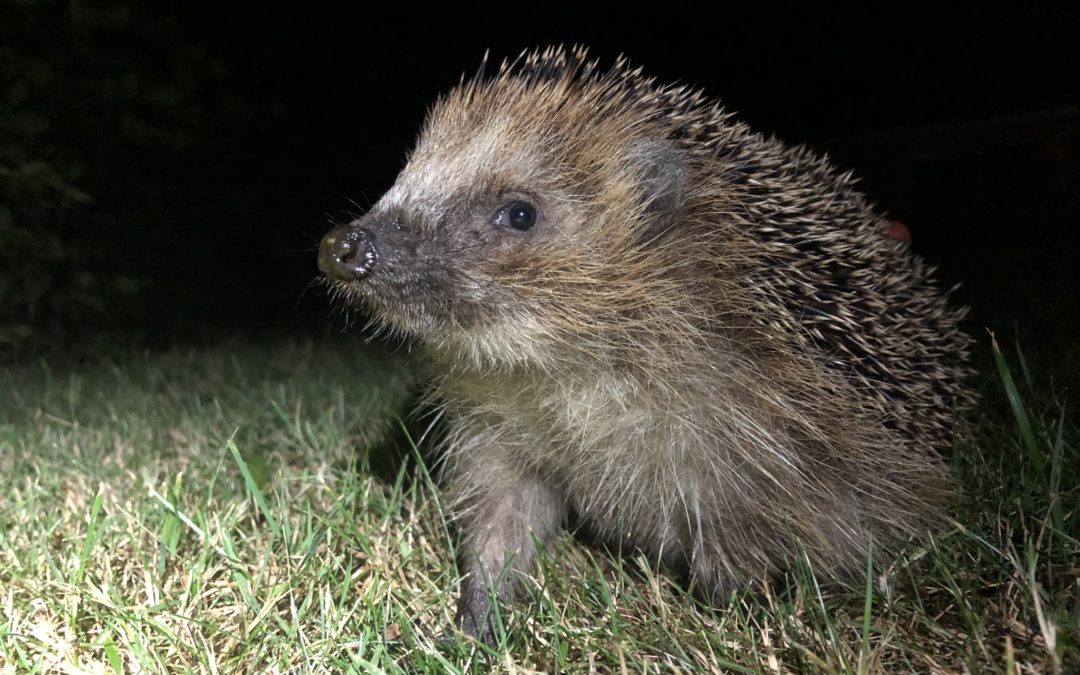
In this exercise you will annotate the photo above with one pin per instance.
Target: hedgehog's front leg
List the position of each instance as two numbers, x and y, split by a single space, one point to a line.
502 510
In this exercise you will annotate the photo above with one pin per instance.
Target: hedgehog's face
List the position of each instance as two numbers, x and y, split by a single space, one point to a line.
495 239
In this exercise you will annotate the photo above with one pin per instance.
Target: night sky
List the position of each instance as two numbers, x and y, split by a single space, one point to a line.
962 124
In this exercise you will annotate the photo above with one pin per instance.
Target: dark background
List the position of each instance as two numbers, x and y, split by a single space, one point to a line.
167 172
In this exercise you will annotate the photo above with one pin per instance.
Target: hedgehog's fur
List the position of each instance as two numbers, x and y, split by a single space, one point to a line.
709 349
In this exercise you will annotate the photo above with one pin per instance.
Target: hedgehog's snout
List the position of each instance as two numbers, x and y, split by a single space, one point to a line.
348 253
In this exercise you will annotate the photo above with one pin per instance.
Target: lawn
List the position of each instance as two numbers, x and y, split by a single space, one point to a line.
250 509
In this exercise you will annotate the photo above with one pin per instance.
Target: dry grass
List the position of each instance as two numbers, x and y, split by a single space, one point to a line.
210 512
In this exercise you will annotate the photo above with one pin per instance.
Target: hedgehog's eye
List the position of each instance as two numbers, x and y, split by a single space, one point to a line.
518 215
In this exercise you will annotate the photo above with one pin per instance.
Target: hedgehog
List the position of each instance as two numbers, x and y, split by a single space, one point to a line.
638 315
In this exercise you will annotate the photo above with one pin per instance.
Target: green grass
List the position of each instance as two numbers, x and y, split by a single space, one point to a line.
231 511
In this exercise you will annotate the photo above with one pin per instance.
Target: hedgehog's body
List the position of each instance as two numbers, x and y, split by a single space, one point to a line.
700 341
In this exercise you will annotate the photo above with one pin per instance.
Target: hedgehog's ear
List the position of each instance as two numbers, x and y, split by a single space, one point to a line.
662 175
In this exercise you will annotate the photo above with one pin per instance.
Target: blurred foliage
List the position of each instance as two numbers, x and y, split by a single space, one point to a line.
92 97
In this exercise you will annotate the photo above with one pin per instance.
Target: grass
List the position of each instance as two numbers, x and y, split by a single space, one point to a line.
231 511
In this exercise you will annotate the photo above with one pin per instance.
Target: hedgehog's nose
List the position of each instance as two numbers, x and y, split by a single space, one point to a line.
347 253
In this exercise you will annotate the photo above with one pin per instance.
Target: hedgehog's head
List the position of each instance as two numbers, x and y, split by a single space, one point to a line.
526 213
